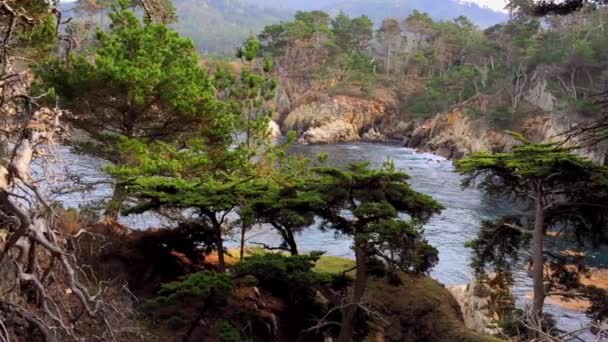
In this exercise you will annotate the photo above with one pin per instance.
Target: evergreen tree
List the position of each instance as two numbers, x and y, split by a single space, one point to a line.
368 205
143 81
566 193
352 34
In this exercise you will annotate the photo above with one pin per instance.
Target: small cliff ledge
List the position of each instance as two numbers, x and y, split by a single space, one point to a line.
337 119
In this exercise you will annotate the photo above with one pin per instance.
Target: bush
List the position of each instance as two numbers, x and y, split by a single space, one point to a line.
284 276
209 287
227 332
176 323
500 116
291 279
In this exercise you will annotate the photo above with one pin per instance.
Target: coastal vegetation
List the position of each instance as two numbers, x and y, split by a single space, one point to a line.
191 143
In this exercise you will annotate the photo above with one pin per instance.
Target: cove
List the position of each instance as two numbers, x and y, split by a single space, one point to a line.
430 174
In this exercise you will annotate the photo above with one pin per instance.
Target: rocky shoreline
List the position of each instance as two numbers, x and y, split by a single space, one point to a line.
451 134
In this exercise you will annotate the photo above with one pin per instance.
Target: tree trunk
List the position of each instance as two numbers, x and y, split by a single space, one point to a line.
291 242
288 237
219 242
348 314
388 59
243 235
537 257
221 264
118 197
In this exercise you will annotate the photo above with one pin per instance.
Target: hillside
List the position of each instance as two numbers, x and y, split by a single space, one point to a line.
440 86
219 26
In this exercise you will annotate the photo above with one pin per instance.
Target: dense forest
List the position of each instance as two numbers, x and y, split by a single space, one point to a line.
194 142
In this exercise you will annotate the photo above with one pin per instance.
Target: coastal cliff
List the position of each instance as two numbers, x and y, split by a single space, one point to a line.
451 134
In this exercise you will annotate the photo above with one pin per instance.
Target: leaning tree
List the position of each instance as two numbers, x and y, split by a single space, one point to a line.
371 206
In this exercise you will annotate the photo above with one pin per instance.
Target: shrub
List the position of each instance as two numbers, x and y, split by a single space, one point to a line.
227 332
283 275
209 287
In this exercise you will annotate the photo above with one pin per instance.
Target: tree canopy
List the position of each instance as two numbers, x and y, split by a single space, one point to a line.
143 81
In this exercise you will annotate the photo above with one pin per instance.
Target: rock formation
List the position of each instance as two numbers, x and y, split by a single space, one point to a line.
338 119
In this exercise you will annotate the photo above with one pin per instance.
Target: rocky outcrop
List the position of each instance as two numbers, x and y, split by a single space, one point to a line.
451 135
338 119
374 135
274 130
419 309
476 305
336 131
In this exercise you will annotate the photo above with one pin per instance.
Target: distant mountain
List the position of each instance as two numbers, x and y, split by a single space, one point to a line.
215 26
377 10
220 26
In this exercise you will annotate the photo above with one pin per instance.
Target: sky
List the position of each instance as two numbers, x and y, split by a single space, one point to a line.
497 5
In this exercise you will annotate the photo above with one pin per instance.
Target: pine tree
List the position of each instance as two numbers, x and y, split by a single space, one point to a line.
368 205
143 81
565 193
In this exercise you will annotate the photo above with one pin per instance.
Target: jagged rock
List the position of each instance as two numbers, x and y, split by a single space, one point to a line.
282 102
321 299
337 119
333 132
540 97
274 131
374 135
453 135
476 302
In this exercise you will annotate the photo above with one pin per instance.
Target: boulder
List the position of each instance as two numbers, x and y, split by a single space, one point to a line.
274 131
337 119
374 135
478 307
333 132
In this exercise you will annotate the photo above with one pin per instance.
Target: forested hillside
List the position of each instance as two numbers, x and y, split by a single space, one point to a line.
220 26
380 9
418 67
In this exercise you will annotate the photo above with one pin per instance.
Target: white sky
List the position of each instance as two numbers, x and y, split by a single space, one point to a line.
497 5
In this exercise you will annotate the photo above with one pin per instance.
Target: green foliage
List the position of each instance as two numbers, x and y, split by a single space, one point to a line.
568 193
292 279
443 91
249 50
289 277
227 332
352 34
42 38
368 205
211 288
176 323
289 207
144 81
309 24
497 246
550 163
